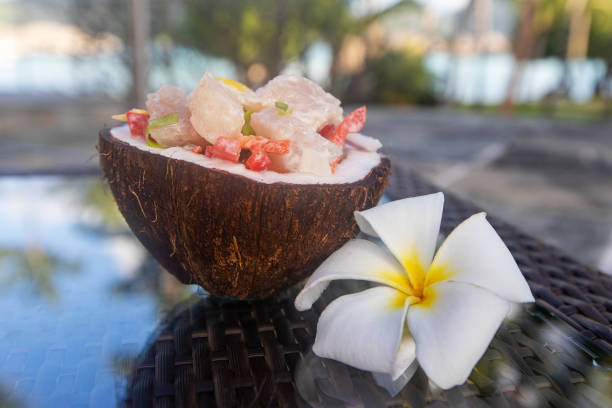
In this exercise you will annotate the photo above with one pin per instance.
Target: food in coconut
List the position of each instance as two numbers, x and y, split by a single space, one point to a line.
250 213
309 151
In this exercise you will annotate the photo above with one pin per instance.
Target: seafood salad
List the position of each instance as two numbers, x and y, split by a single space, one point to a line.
289 125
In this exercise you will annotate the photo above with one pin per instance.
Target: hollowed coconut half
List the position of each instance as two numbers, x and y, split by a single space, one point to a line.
232 231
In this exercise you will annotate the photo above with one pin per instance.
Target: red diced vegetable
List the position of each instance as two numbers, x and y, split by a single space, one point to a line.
265 144
351 124
137 123
197 149
258 161
225 148
334 164
277 146
252 142
327 131
356 119
123 118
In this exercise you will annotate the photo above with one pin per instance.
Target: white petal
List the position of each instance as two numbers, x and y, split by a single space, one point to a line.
405 356
395 385
409 228
452 329
474 253
365 330
357 259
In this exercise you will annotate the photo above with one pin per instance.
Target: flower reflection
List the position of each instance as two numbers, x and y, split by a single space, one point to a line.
520 368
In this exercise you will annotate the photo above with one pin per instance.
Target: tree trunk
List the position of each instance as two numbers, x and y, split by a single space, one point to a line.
333 70
140 27
523 48
277 45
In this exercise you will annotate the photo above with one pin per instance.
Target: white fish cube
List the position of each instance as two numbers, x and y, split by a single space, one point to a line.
167 100
215 110
310 103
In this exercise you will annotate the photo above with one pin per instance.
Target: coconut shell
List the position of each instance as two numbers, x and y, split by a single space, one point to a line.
230 234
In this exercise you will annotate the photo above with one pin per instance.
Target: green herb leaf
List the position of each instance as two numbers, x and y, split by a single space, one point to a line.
153 143
247 130
170 119
284 113
281 105
282 108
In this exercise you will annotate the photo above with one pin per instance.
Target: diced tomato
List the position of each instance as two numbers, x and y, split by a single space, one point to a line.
277 146
267 145
334 164
327 130
252 142
356 120
225 148
197 149
258 161
353 123
137 122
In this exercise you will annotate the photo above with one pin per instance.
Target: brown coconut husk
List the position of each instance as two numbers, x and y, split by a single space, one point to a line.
232 235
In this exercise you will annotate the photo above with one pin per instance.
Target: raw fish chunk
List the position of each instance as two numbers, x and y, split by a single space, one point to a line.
363 142
170 99
309 152
215 110
310 103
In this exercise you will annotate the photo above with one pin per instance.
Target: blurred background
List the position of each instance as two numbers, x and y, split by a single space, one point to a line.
507 103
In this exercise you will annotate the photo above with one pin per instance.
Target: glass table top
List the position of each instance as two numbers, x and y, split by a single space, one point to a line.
80 300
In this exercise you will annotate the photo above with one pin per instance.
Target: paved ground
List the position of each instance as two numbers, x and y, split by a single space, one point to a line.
553 179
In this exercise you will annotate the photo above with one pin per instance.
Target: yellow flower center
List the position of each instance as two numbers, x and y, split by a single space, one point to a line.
417 285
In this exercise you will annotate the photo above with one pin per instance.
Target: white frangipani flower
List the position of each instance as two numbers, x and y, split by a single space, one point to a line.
442 310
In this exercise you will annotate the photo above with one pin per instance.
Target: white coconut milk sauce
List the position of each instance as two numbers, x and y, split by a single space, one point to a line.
355 165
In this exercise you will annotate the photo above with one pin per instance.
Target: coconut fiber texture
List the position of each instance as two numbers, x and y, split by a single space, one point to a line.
233 236
556 353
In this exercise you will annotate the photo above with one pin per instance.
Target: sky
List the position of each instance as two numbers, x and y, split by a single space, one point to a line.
445 6
436 6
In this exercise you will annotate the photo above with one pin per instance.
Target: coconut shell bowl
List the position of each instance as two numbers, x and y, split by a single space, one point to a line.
232 235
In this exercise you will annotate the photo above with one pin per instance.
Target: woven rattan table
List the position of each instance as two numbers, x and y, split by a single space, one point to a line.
215 352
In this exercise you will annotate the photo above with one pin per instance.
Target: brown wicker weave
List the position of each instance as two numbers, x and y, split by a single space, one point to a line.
240 354
578 294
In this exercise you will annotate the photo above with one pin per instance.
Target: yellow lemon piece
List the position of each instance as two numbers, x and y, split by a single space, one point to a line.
240 87
123 117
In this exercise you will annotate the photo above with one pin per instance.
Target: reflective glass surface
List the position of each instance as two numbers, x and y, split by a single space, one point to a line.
78 294
81 300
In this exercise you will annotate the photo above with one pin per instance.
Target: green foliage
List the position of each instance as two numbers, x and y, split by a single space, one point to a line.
247 31
600 41
271 32
551 23
552 27
396 78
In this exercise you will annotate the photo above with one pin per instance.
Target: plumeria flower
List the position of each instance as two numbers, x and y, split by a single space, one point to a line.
442 311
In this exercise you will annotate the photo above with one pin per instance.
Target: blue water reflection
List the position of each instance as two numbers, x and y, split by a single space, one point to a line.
78 294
